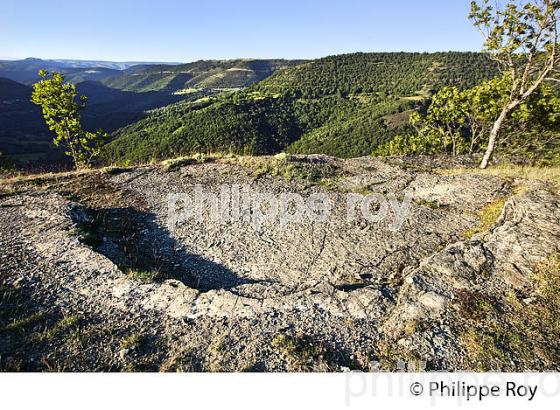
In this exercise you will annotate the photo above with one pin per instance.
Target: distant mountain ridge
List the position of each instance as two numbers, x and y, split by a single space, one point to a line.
115 65
25 71
207 74
150 76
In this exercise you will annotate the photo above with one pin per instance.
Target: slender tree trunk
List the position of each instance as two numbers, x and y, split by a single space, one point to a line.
494 136
474 138
74 155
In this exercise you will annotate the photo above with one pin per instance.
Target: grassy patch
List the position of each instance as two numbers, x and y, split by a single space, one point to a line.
299 350
6 190
415 326
60 327
392 357
182 361
519 333
89 187
144 276
484 350
131 341
176 163
488 217
304 353
221 358
547 174
428 204
81 337
21 324
289 168
361 190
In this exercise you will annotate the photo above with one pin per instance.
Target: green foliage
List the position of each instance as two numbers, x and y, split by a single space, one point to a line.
339 105
145 276
26 139
381 74
63 325
488 218
517 30
61 105
456 122
513 330
22 323
522 36
353 129
410 144
289 168
445 119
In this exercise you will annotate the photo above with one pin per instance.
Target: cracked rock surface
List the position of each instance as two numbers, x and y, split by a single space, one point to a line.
231 296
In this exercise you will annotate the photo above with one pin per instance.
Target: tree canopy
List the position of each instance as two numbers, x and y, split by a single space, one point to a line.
61 105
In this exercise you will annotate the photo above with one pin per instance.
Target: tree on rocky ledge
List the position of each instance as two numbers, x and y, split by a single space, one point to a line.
61 107
523 38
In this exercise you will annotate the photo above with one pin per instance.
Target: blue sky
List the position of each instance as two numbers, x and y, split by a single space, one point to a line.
174 30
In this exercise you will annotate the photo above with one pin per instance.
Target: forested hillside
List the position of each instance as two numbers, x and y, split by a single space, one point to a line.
341 105
229 74
118 94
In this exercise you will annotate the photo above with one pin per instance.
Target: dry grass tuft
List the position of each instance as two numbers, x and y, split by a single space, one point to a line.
517 332
488 217
291 169
546 174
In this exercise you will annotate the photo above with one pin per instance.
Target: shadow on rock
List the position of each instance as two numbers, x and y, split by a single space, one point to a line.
146 251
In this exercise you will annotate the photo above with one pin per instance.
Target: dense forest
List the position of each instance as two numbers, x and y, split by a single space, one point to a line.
344 105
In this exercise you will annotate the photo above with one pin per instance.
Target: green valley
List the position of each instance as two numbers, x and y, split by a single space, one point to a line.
118 94
344 105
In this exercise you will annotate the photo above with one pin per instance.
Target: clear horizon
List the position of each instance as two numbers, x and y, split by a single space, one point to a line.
174 31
